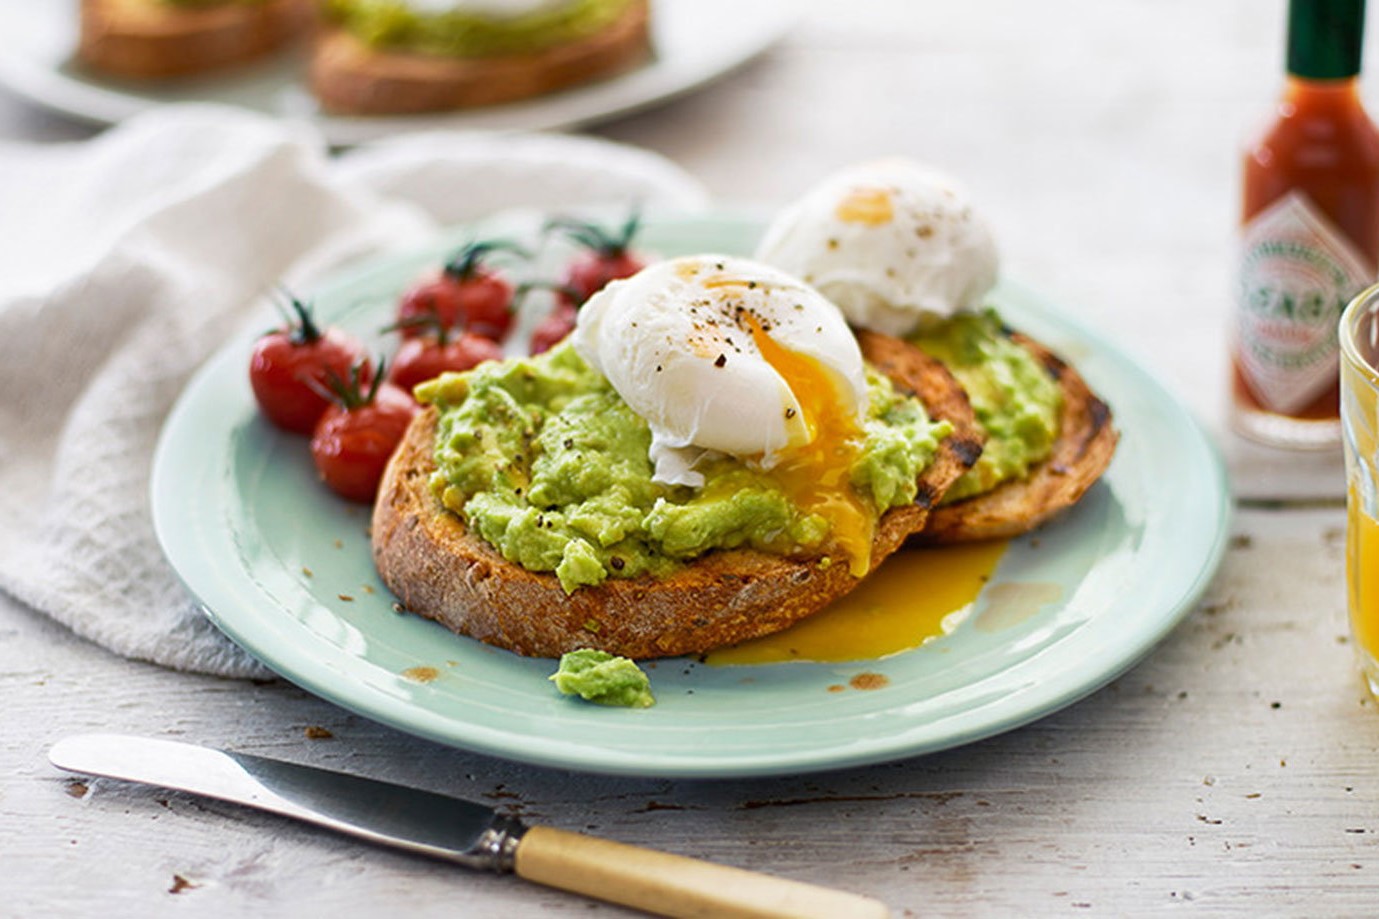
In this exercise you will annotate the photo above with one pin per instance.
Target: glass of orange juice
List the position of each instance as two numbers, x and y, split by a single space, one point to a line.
1359 331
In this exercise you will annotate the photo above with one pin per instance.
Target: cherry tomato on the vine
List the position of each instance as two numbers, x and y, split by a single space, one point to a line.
553 328
468 292
357 435
590 271
290 369
422 359
604 256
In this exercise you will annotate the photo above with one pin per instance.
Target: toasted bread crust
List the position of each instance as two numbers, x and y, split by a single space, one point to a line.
1086 443
350 78
438 569
143 40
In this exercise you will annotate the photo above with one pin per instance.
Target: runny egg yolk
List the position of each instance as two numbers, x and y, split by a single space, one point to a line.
816 475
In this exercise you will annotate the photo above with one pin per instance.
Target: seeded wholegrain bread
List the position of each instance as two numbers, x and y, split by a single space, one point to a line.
149 40
1084 448
349 77
440 570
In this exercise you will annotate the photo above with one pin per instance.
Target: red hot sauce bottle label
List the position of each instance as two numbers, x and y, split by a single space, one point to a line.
1297 272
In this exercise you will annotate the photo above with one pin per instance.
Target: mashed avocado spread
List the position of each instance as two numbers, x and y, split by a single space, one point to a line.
542 459
1012 394
597 676
460 32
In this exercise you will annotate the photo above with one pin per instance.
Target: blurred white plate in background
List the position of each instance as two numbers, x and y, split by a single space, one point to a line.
694 44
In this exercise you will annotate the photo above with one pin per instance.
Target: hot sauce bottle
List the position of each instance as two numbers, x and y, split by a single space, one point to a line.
1309 234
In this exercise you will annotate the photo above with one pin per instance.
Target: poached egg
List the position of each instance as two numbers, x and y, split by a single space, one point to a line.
891 242
725 356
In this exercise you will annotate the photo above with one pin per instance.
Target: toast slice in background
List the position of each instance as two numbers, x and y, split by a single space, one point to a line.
1084 448
350 77
153 40
438 569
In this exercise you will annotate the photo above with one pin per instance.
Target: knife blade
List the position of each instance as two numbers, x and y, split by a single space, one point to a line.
455 830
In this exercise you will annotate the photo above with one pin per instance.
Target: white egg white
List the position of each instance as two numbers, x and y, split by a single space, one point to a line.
891 242
675 341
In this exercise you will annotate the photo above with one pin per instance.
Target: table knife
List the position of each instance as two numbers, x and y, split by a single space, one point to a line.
459 831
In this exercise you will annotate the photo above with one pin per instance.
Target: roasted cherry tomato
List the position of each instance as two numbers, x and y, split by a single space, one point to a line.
468 292
421 359
290 369
552 329
355 437
604 256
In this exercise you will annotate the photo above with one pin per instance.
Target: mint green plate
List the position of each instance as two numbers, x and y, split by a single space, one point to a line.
283 568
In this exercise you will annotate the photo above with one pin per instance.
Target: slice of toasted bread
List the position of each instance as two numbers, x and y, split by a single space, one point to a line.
440 570
1086 442
350 78
148 40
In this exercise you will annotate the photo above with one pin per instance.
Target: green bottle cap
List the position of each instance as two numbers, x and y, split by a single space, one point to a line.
1324 38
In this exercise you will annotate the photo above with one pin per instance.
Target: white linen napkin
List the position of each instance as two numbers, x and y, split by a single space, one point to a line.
126 260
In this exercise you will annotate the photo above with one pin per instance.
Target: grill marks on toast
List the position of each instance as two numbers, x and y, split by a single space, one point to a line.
1084 448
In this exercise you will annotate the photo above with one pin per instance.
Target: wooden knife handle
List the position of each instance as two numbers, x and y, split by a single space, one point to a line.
671 885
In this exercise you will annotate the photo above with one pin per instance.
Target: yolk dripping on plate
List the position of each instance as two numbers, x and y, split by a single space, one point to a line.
903 604
817 474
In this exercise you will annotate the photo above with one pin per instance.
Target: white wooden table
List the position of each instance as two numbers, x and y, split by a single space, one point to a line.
1235 771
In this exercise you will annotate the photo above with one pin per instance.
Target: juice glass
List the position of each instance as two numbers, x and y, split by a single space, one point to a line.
1359 333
